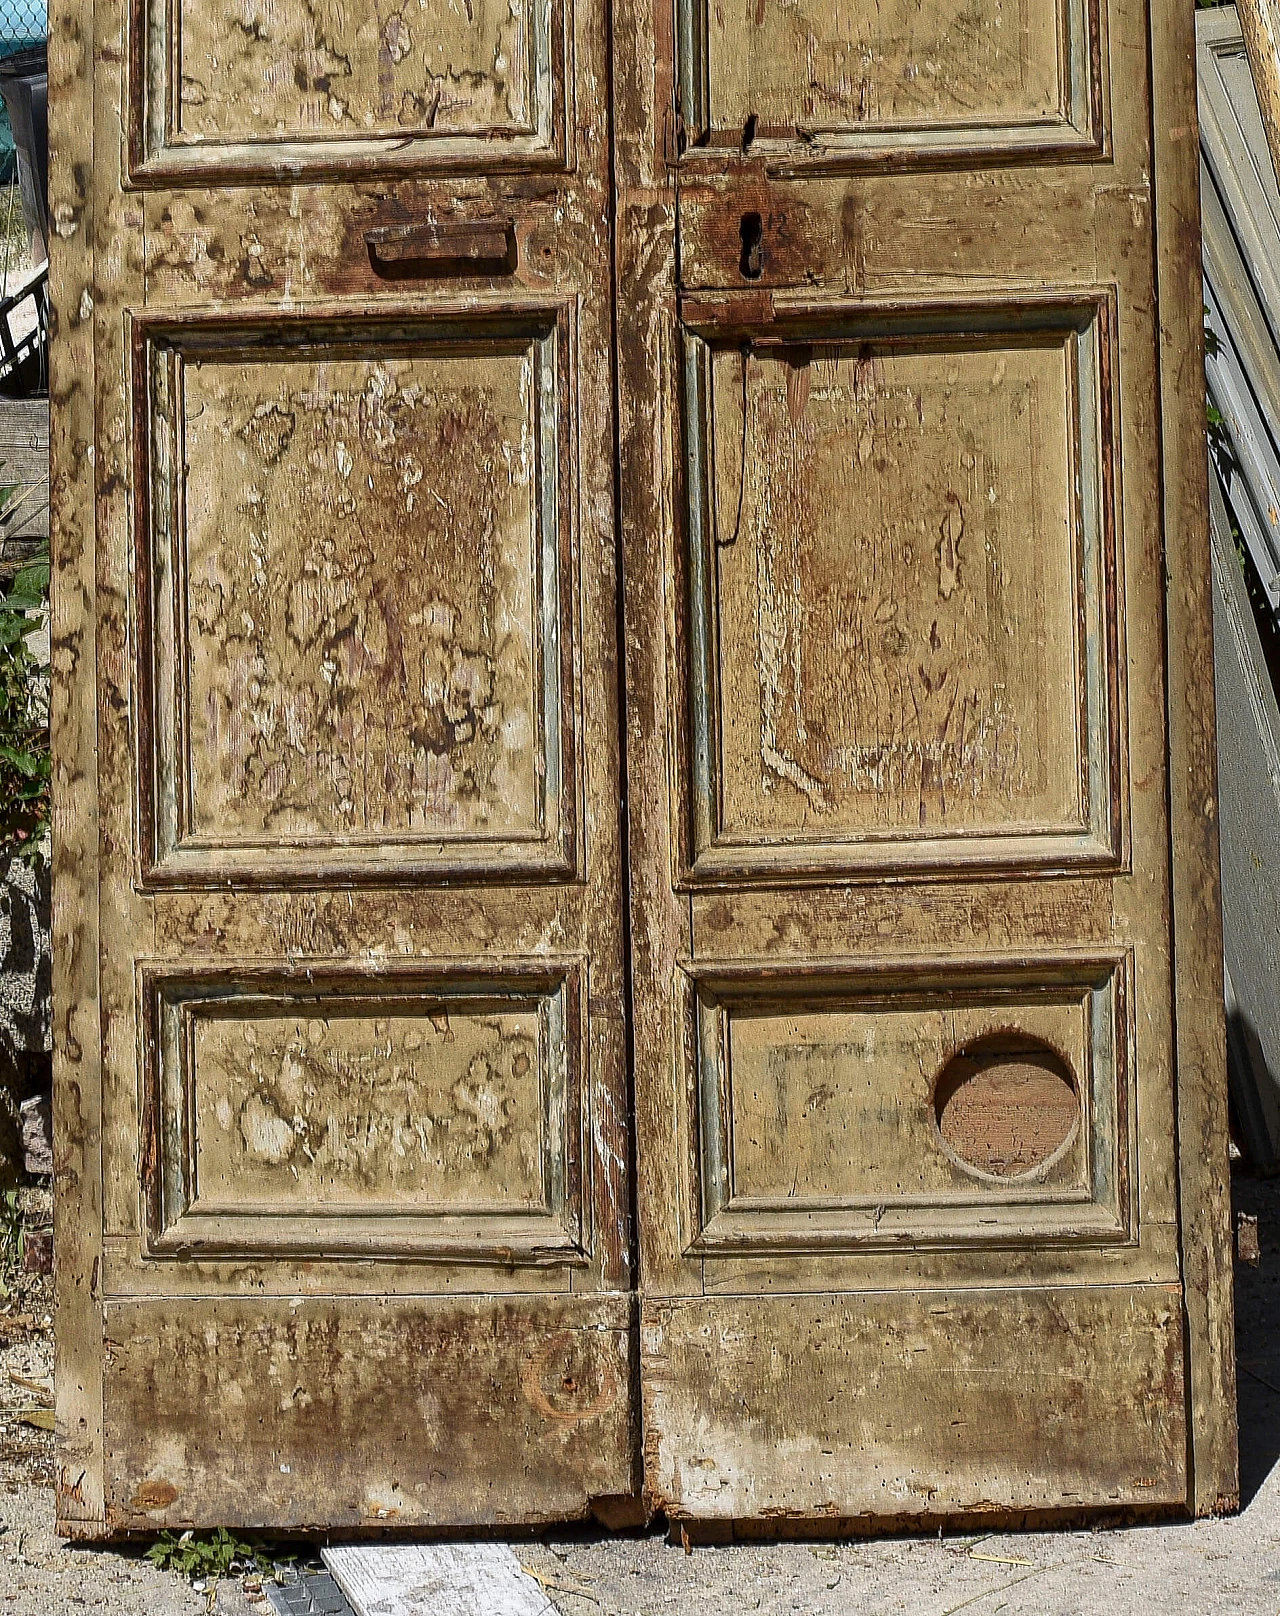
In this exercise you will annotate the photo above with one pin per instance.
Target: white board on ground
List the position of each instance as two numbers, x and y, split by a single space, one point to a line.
436 1579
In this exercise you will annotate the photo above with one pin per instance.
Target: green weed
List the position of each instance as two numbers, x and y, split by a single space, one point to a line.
208 1555
11 1239
24 710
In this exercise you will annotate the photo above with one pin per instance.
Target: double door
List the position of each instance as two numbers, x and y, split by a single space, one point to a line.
634 751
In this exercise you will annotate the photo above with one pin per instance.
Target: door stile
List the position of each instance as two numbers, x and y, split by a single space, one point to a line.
77 1066
646 137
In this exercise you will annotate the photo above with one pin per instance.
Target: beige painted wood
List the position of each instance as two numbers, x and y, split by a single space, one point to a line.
910 1367
77 1058
1260 23
341 1031
930 1090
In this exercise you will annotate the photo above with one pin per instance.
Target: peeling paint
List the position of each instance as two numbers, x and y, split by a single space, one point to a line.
341 680
256 69
885 617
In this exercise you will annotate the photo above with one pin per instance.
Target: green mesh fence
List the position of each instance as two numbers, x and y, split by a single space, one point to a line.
23 25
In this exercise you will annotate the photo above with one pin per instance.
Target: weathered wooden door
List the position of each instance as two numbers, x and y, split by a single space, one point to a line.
925 950
342 1073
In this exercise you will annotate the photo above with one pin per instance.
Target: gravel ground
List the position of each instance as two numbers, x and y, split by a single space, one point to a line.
39 1574
1226 1567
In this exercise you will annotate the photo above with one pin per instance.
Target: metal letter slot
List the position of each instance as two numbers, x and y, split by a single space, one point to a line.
449 247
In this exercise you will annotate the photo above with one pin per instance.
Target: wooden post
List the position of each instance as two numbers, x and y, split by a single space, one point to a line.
1260 22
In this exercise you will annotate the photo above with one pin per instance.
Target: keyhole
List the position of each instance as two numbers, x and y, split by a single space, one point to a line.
751 231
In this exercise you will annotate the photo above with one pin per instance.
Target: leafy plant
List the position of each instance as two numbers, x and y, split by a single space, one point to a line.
11 1238
207 1555
1216 426
24 710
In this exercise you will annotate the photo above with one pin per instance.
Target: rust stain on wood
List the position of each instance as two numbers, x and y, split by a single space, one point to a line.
153 1496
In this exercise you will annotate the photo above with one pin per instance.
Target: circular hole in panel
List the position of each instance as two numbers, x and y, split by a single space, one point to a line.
1006 1104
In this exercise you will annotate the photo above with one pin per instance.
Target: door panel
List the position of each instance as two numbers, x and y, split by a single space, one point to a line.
903 857
362 1176
820 83
863 1108
821 1409
265 85
366 1412
853 704
347 707
434 1118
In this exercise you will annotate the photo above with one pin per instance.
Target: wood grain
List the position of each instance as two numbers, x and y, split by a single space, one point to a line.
439 1579
417 1412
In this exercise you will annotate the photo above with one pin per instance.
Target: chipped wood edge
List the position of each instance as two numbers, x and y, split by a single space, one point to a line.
1199 1032
76 1059
645 270
1260 24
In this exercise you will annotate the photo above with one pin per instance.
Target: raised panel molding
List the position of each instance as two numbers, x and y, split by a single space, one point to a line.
873 687
832 85
419 1111
354 569
811 1095
293 90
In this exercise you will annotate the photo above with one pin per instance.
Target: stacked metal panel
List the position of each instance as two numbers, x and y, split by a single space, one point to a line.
1241 210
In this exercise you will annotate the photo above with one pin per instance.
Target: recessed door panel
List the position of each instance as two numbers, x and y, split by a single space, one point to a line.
256 84
856 1108
428 1115
324 696
819 80
903 606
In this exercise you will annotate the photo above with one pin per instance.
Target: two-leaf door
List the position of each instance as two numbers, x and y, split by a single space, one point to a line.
635 825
